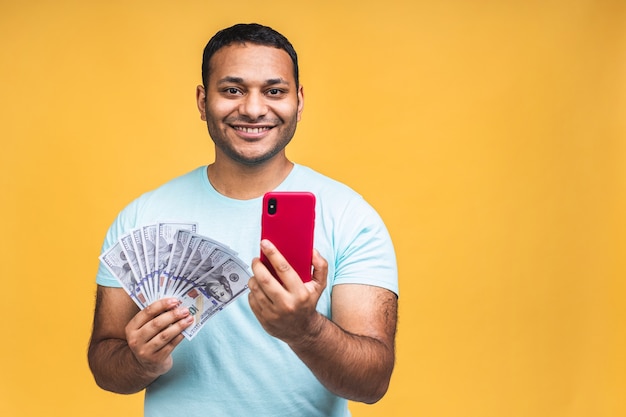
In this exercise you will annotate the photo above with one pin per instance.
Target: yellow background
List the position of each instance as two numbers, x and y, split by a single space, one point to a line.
490 135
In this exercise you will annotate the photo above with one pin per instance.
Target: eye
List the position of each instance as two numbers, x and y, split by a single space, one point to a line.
233 91
274 92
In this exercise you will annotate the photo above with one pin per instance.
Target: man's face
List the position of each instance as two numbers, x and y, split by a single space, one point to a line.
251 104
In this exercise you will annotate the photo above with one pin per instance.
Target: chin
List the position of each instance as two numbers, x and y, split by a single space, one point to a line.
251 159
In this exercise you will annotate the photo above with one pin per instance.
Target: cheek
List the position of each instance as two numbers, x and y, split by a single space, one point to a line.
288 111
218 109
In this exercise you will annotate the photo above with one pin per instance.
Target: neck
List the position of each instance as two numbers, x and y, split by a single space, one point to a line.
244 182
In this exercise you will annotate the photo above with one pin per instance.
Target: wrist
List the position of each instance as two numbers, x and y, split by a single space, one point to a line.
311 332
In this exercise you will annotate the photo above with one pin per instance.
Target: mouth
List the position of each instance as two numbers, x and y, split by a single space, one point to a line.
252 130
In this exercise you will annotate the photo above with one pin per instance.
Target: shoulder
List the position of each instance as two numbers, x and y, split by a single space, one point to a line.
351 233
327 190
147 207
343 210
184 184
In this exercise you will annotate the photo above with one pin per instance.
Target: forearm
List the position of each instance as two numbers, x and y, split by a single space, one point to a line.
352 366
116 369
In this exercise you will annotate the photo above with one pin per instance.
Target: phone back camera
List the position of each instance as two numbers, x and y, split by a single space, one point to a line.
271 206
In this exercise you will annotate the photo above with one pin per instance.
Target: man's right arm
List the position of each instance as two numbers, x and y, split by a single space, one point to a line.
130 348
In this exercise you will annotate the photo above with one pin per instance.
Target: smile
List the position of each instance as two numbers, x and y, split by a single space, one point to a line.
252 130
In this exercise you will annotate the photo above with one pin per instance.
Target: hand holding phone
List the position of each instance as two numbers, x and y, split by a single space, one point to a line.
288 221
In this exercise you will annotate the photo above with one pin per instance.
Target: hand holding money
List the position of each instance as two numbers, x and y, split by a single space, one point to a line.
155 331
170 260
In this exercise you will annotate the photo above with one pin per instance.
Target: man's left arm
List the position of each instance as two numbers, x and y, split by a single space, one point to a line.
352 354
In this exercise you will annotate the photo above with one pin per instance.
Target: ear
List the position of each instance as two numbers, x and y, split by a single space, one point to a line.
201 101
300 102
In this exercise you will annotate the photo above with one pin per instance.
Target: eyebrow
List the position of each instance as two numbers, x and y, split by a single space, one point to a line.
239 80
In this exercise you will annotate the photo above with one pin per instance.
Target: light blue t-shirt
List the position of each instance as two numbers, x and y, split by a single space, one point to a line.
233 367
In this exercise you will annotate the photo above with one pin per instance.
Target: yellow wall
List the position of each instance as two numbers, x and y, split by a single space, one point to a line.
489 134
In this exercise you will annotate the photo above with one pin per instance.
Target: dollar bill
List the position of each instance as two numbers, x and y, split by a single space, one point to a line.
181 240
117 263
201 308
189 261
210 254
148 236
130 251
226 281
214 291
141 258
163 248
171 259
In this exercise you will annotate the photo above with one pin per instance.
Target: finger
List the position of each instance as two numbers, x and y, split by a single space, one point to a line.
285 272
257 296
264 281
320 269
263 286
262 306
153 310
165 325
159 332
170 336
156 354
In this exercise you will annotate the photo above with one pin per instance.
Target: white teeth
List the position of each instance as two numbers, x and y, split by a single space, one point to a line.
252 129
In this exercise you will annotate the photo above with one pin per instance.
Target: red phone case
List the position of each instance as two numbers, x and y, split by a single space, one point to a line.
288 221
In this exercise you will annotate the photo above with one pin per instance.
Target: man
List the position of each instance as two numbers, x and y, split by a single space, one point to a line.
294 349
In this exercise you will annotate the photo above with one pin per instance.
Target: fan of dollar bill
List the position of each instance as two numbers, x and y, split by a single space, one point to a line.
172 260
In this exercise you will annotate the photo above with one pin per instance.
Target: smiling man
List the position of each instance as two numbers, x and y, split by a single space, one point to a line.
296 349
251 102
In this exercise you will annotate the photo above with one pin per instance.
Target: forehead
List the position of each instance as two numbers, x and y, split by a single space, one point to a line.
251 62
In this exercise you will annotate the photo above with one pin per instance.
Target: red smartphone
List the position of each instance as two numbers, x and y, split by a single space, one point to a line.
288 221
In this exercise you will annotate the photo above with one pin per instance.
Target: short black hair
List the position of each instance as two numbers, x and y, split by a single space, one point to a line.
252 33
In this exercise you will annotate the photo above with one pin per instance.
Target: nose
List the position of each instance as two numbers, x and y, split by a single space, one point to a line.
253 105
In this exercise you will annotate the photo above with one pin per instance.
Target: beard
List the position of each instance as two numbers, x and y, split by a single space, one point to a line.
219 134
